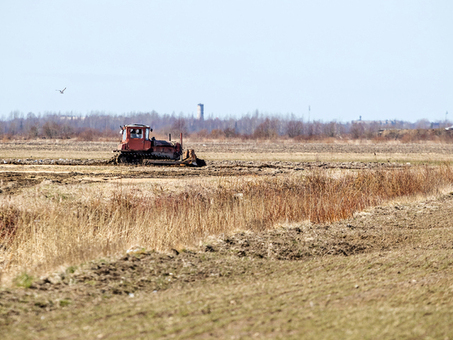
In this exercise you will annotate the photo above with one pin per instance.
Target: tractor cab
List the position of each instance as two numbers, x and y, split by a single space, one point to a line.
135 137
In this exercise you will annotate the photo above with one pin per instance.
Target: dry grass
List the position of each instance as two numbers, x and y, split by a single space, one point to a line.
56 226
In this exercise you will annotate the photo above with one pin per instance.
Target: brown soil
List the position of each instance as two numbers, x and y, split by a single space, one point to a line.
31 148
13 179
381 229
365 147
17 173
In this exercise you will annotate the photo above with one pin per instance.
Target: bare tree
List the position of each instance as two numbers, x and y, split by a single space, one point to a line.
179 126
294 128
267 129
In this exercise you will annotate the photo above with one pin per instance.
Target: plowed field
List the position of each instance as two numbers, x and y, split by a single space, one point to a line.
386 273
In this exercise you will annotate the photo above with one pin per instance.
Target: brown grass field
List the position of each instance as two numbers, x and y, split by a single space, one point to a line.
278 240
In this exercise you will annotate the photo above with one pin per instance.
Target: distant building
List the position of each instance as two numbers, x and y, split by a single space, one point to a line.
71 117
378 122
200 112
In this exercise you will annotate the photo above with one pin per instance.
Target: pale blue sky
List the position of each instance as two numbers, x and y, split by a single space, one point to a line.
381 59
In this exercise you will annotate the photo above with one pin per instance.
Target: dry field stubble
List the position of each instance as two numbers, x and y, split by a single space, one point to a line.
278 150
371 273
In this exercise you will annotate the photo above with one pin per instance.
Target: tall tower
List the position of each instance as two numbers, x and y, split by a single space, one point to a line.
200 112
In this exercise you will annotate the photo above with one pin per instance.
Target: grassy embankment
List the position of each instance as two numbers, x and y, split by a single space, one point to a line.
59 226
393 295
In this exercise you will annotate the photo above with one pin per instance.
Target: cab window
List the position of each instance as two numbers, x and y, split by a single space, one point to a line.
136 133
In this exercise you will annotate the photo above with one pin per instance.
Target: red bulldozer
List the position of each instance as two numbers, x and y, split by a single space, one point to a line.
137 147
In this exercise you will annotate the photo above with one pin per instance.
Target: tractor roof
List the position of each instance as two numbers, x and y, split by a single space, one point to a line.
136 125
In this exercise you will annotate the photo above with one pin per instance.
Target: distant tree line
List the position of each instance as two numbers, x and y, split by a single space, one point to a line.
102 126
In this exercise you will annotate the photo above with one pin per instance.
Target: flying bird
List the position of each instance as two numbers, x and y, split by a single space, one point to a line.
61 91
